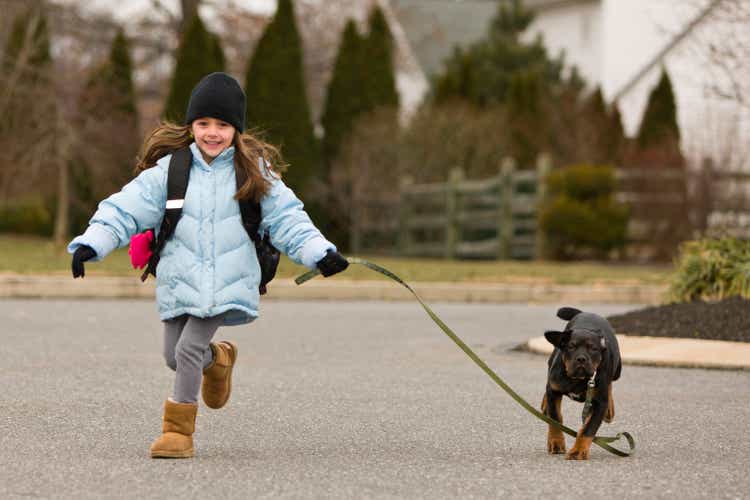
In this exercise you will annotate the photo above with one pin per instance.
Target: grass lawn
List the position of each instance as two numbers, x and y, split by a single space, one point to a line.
29 255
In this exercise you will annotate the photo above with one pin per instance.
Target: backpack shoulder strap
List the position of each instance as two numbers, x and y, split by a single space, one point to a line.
250 210
177 182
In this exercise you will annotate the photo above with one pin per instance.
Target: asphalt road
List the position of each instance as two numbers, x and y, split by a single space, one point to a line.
343 400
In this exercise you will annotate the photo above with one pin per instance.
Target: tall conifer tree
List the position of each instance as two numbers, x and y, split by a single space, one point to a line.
617 140
118 74
345 99
659 123
483 72
109 121
380 82
199 54
277 100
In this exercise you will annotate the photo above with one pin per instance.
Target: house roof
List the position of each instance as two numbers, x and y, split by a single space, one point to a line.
668 47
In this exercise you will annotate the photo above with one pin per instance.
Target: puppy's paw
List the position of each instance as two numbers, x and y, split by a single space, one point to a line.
555 445
580 450
577 455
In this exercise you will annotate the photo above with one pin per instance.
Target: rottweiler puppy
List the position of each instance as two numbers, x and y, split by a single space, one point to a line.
586 348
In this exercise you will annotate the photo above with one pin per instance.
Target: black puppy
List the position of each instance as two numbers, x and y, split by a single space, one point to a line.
586 349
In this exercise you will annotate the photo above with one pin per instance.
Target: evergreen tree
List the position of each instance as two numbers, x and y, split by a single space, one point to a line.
199 54
659 125
277 100
380 82
118 74
596 124
345 99
523 106
108 118
483 73
615 145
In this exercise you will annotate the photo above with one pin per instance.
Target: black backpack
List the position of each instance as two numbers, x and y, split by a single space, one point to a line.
177 182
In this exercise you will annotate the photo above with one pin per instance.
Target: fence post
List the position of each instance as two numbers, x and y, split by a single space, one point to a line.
705 193
543 167
355 229
451 212
404 214
505 219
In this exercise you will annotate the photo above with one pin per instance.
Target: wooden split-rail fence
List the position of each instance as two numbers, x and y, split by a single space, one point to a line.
460 218
496 218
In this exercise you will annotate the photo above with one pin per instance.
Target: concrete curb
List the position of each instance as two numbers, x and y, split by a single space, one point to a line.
63 286
670 352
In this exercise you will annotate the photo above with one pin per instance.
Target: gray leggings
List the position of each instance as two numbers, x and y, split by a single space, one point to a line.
187 352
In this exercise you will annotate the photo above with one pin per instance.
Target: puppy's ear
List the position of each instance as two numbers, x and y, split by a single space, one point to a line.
556 338
568 313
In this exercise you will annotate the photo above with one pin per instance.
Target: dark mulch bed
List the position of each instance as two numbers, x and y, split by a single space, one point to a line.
728 319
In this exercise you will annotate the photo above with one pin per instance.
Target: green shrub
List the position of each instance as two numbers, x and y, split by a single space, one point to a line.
27 216
580 217
712 269
582 182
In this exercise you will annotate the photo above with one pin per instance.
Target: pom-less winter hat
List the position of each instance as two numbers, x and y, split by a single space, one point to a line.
217 95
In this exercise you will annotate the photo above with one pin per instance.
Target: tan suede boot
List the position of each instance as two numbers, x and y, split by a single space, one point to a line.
217 378
178 427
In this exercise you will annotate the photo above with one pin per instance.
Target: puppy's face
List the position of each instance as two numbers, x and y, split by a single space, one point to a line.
582 351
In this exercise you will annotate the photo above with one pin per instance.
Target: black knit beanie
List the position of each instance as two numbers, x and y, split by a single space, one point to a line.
217 95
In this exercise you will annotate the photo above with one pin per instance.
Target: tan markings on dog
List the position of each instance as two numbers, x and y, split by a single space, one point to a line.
555 437
544 404
580 450
610 414
555 441
566 365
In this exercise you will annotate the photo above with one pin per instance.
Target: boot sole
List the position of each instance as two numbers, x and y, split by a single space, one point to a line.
233 357
173 454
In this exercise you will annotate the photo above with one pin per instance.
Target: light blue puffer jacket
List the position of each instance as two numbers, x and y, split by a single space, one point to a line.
209 266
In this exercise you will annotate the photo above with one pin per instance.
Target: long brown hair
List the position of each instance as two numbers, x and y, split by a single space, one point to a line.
248 148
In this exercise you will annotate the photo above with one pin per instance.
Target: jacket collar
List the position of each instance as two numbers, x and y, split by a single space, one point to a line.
225 159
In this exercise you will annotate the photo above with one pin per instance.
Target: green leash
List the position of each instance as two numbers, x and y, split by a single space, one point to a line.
599 440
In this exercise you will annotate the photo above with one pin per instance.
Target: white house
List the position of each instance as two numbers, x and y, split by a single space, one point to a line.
623 46
619 45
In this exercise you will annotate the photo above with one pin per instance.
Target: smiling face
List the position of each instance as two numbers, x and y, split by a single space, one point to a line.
212 136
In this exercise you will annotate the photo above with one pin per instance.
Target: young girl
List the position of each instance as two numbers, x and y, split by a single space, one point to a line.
208 273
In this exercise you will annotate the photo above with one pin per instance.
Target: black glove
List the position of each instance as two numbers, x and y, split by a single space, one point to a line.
81 255
332 263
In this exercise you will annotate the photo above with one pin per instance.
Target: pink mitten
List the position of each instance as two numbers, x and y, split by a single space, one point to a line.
140 248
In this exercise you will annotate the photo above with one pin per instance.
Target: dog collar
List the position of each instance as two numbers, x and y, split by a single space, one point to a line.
589 396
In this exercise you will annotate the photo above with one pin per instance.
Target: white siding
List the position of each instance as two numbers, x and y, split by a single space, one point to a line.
611 41
576 30
637 30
